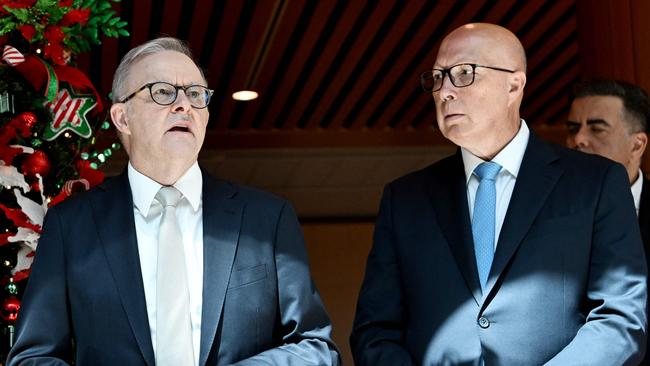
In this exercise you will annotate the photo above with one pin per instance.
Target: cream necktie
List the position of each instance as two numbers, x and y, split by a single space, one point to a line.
173 324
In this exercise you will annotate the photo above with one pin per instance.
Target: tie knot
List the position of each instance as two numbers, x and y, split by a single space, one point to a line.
487 170
168 196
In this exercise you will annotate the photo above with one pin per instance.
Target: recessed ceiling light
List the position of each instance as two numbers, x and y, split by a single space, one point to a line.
244 95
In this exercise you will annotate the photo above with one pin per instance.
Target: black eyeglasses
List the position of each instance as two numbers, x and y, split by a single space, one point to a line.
165 94
460 75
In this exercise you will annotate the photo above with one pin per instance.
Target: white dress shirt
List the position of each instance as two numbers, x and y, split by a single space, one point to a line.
509 158
637 188
189 213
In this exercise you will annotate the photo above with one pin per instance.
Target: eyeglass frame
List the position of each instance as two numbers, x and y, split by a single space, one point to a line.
176 88
451 79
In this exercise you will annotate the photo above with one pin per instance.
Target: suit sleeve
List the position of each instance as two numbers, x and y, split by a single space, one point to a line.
614 332
378 332
304 326
43 334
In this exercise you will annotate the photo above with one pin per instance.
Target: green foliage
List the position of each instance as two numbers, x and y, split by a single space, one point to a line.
80 33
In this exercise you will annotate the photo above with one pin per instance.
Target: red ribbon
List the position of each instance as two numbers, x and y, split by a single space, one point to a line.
44 77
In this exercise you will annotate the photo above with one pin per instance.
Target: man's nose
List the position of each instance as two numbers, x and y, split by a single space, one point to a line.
447 89
580 139
182 102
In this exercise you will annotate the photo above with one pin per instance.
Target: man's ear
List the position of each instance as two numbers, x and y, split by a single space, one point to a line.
119 118
516 82
639 143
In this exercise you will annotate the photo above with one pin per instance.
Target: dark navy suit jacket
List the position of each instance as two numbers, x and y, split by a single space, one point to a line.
259 304
567 284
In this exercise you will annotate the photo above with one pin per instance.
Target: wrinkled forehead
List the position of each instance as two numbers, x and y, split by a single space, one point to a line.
469 48
169 66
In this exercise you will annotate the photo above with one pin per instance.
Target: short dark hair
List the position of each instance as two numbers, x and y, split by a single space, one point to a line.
635 99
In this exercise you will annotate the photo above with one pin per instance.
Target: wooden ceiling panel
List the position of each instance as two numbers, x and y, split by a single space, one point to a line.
242 61
552 69
499 10
422 42
328 68
520 15
199 26
281 91
560 82
379 62
274 64
555 113
217 75
171 16
355 77
544 22
319 74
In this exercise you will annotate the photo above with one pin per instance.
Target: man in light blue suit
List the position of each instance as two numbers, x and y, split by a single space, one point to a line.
510 252
227 283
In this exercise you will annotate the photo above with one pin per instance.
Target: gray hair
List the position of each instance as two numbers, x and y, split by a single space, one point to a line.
149 48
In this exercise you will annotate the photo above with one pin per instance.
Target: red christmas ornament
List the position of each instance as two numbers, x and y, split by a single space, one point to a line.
10 308
54 34
36 163
28 31
27 118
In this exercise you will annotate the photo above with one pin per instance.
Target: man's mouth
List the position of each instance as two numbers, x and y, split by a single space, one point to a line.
453 116
179 129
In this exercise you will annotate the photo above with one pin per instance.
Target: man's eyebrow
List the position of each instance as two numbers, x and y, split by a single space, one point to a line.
598 122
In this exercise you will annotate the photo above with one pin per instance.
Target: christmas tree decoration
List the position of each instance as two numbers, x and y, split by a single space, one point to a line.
36 163
12 56
11 287
50 113
6 103
28 119
60 27
7 262
69 112
11 177
10 308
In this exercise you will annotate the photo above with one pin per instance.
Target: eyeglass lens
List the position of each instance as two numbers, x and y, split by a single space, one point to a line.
165 94
460 75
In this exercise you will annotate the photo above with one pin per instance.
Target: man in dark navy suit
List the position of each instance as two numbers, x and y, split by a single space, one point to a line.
510 252
610 118
165 264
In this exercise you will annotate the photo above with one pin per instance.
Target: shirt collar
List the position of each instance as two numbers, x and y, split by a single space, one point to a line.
144 189
509 157
636 188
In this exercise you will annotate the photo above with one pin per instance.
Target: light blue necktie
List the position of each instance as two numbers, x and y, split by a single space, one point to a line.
483 221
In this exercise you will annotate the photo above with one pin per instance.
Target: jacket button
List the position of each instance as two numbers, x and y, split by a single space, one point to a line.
483 322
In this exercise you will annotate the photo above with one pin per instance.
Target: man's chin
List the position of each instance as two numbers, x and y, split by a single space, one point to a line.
453 132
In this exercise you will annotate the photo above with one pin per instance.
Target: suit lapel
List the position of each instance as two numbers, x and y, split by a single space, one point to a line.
536 179
114 209
222 215
449 199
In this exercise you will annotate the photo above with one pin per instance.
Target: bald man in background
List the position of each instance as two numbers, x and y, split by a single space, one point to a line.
510 252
